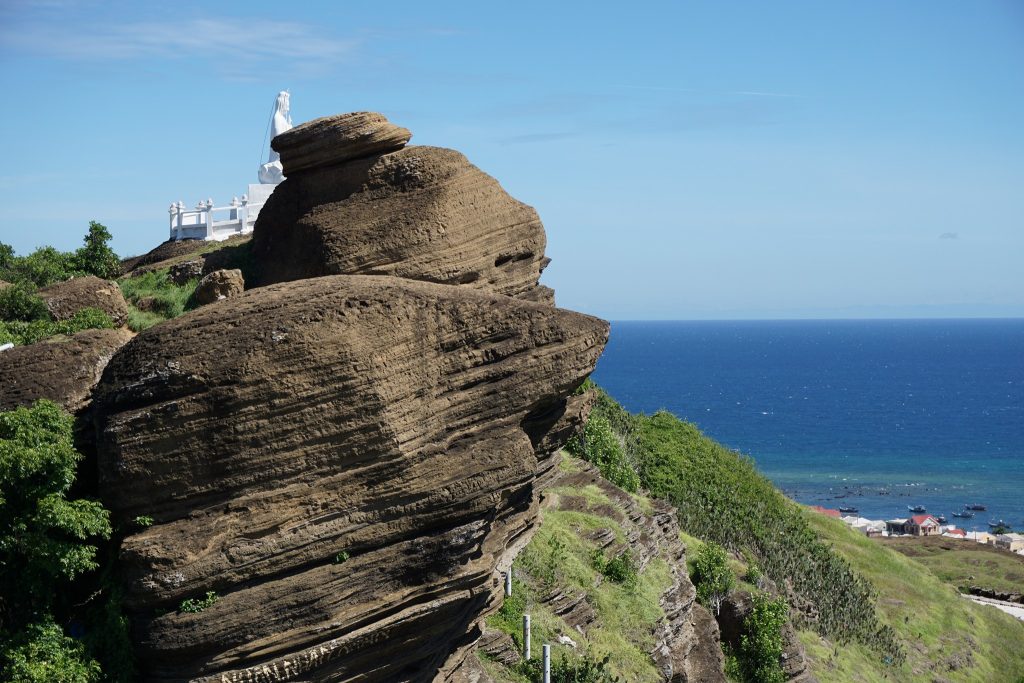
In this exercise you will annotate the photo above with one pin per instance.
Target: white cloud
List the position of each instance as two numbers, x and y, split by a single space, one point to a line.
233 44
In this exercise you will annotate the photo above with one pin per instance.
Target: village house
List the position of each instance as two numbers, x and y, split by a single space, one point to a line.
918 525
981 537
953 532
828 512
1011 542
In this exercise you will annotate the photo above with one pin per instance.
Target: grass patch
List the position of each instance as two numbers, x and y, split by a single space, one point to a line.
964 563
24 333
163 299
945 635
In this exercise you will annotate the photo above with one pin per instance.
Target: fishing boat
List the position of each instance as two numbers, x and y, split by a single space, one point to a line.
850 510
917 508
941 519
996 525
976 506
964 515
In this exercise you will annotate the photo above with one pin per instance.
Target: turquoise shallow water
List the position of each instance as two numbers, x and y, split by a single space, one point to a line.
873 414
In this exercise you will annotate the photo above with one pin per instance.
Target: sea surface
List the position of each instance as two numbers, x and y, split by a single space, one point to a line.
879 414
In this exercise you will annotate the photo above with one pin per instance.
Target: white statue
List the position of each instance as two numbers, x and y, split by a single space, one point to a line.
272 173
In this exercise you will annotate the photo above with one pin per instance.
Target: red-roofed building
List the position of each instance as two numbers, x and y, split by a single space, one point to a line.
918 525
958 533
827 511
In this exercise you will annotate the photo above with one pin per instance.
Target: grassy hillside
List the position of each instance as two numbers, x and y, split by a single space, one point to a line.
866 612
946 637
965 563
560 561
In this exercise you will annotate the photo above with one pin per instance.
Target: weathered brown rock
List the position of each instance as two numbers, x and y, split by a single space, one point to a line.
181 273
64 299
4 283
220 284
371 415
64 369
335 139
422 213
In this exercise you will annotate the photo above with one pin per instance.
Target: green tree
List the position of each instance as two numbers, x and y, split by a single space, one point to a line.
45 543
96 257
6 256
42 267
712 576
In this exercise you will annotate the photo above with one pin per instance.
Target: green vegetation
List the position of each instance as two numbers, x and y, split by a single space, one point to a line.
712 575
195 605
946 636
341 557
24 318
143 521
22 333
619 569
48 557
162 298
962 564
760 650
600 445
561 559
47 265
721 497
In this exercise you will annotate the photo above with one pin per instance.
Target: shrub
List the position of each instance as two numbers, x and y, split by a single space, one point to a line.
41 653
143 521
620 569
18 303
600 445
42 267
194 605
96 257
581 669
712 576
22 333
341 557
760 650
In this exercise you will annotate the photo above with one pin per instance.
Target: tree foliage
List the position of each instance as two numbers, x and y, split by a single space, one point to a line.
712 576
46 541
96 257
18 302
760 651
600 445
47 265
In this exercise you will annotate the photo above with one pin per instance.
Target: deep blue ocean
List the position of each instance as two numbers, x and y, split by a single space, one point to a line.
877 414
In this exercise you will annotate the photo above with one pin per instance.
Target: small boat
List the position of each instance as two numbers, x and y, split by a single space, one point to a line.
917 508
996 525
850 510
941 519
964 515
976 506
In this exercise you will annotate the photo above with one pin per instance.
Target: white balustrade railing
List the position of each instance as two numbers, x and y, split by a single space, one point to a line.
209 222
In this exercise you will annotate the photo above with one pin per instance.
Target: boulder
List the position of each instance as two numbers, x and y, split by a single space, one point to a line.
64 299
181 273
422 213
336 139
344 461
220 284
62 369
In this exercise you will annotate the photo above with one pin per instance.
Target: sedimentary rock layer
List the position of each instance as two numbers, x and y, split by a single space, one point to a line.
64 299
336 139
342 460
422 213
62 369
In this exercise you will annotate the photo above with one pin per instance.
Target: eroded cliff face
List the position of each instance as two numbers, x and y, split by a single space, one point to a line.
347 458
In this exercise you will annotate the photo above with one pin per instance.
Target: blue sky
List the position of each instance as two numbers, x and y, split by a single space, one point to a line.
689 159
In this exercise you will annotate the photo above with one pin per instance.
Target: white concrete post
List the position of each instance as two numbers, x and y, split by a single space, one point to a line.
546 655
526 637
508 583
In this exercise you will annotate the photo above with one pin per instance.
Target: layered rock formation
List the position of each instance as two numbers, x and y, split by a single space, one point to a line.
64 299
422 213
387 419
220 284
63 369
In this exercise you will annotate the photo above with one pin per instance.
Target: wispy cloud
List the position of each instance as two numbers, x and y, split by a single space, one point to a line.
233 44
949 236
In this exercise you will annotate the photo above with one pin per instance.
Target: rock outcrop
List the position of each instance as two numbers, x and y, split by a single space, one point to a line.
335 139
62 369
735 609
218 285
422 213
64 299
344 461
